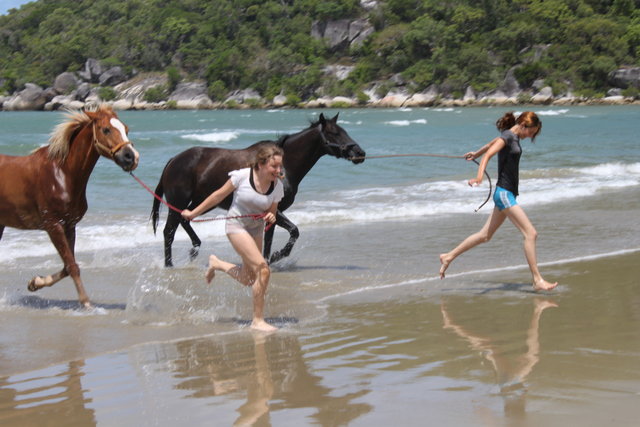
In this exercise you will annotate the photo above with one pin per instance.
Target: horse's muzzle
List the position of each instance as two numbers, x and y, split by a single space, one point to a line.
127 158
356 155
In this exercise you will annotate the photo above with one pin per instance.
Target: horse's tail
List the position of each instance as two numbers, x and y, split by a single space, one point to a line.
155 210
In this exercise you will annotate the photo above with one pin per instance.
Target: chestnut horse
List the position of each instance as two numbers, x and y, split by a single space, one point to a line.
192 175
46 189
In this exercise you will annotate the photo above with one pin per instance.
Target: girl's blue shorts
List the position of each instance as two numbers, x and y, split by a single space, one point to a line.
504 199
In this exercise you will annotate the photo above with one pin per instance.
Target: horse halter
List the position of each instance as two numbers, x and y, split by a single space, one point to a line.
103 149
341 148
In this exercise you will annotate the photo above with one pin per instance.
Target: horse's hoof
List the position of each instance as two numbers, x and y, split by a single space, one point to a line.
194 252
32 287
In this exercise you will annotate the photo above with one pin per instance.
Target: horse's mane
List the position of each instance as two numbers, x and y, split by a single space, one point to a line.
60 138
283 138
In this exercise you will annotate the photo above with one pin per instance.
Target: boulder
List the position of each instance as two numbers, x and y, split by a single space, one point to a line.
92 71
545 96
65 83
395 99
122 104
469 95
244 96
343 100
83 91
423 99
322 102
510 85
625 77
279 100
188 90
135 89
369 4
342 33
63 102
496 97
201 102
340 72
112 77
359 31
566 99
32 97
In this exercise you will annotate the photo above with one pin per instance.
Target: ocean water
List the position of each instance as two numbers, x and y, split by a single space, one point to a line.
369 333
582 152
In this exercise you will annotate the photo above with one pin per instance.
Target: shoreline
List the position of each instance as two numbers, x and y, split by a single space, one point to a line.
333 103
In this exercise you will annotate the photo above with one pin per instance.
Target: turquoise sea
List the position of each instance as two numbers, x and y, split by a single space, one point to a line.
369 334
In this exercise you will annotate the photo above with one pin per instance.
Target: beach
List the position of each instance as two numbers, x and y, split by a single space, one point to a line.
369 333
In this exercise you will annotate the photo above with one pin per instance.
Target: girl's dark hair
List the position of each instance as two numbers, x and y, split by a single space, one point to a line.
506 122
265 153
528 119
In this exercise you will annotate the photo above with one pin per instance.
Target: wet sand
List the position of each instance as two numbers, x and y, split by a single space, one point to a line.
485 351
370 335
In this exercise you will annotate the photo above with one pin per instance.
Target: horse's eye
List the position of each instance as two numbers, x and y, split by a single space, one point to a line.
106 131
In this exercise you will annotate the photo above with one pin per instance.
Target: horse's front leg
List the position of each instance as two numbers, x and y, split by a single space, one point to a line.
285 223
268 240
64 243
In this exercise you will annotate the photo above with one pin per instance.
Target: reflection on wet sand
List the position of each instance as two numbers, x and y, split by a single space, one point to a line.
269 369
46 399
511 372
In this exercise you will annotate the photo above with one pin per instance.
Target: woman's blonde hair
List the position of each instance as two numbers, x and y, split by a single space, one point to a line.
265 153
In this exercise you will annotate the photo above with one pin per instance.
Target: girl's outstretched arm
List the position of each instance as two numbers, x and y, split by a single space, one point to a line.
212 200
472 155
492 148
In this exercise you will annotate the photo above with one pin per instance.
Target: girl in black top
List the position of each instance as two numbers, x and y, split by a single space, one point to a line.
507 145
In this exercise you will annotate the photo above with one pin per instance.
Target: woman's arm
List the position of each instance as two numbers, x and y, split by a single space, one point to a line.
472 155
494 146
213 200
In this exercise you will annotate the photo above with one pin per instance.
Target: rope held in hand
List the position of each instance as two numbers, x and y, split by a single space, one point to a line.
175 209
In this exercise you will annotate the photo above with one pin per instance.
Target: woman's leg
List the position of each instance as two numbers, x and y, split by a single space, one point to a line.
519 218
254 272
485 234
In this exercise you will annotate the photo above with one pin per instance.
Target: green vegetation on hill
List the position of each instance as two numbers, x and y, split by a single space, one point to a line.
267 45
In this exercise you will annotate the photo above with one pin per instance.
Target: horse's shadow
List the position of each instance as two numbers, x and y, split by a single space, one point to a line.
39 303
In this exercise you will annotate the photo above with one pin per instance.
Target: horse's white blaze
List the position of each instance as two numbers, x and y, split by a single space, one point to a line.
120 126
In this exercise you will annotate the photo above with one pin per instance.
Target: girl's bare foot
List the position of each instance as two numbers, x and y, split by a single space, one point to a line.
444 265
261 325
213 266
543 285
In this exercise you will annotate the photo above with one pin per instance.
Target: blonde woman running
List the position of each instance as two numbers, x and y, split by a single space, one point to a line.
255 189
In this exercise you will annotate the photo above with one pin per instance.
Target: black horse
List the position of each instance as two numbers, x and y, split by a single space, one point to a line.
192 175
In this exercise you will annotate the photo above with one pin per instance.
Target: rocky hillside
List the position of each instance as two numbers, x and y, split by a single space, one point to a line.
316 53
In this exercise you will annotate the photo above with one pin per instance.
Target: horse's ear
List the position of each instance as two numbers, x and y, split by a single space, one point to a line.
323 121
335 119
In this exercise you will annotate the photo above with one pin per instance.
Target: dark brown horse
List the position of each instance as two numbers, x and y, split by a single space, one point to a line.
46 189
192 175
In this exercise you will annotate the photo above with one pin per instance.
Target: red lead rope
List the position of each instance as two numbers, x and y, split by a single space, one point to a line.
173 208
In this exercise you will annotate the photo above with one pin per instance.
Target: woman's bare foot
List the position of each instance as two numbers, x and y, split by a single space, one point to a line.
214 264
261 325
543 285
444 264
